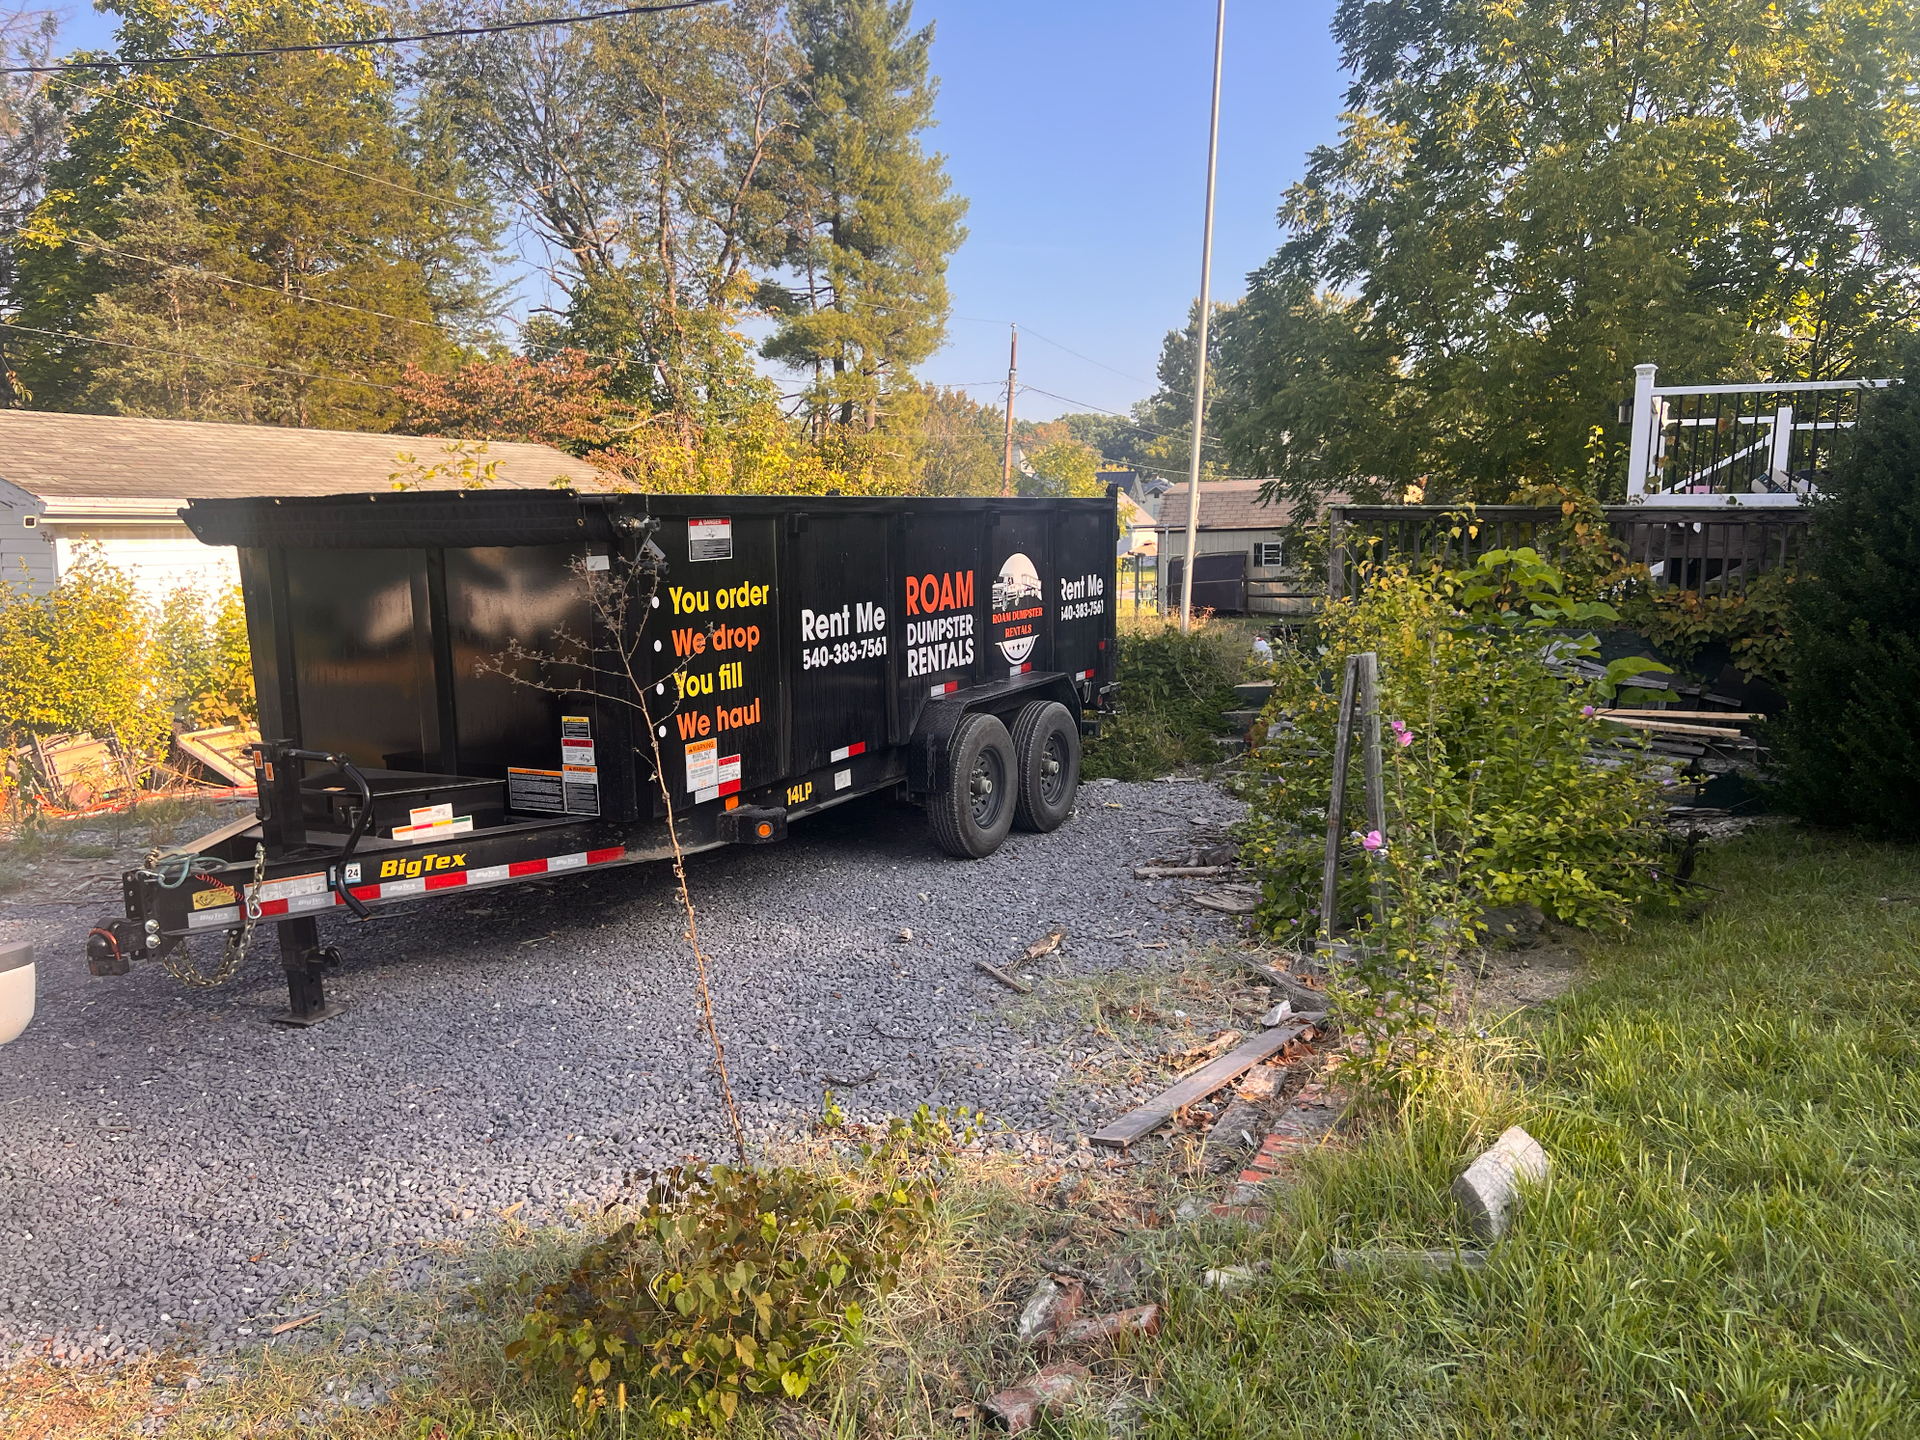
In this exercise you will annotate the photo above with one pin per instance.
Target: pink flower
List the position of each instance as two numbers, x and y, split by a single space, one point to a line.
1586 711
1374 840
1401 733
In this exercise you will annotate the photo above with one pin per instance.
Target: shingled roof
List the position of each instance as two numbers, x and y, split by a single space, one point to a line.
118 457
1224 505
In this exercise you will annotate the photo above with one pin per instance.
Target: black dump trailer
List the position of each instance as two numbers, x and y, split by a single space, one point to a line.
475 688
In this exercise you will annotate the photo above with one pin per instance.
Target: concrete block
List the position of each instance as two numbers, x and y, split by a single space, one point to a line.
1489 1192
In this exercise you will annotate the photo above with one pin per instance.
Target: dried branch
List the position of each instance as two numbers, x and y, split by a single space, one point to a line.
614 594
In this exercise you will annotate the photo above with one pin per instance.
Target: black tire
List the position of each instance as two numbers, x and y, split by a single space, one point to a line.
1046 746
971 816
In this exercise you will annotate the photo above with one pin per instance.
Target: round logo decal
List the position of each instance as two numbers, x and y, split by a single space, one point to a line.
1017 608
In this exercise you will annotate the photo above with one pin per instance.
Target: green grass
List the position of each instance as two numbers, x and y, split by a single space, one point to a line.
1731 1240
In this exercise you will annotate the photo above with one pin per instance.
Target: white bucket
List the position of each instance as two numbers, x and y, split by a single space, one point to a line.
16 989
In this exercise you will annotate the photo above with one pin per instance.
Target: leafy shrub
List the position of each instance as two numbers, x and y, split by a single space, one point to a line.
91 654
1492 793
1489 749
1173 689
737 1282
1851 748
1752 626
200 660
73 658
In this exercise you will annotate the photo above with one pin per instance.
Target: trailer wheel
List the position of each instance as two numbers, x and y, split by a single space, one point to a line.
1046 746
971 816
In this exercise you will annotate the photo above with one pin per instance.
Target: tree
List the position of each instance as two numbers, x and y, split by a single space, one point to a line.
175 340
304 200
1852 741
560 400
961 444
30 134
1528 199
872 218
639 152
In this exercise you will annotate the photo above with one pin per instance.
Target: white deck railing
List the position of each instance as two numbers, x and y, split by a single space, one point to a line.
1737 444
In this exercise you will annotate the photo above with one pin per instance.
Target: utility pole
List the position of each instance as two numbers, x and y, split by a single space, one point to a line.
1013 366
1200 350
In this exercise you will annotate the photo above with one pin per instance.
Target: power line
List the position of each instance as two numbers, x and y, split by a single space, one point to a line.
252 285
191 57
283 150
204 359
1127 421
977 320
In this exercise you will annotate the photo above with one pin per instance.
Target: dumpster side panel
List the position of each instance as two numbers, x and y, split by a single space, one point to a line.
353 625
498 598
942 603
1081 598
716 690
1020 574
837 605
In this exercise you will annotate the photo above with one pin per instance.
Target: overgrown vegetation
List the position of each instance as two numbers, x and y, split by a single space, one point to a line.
1492 791
1726 1245
737 1282
1173 688
91 654
1852 741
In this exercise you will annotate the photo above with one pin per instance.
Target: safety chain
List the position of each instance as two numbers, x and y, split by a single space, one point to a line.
181 967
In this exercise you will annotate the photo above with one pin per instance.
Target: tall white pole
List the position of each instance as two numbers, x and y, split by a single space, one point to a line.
1200 349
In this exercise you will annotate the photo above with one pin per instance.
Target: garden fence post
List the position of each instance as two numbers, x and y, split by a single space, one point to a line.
1337 798
1369 701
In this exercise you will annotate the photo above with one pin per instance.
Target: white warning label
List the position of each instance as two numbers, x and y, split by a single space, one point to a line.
710 539
703 764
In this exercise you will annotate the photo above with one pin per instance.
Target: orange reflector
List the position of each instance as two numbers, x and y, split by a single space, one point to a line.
765 829
732 800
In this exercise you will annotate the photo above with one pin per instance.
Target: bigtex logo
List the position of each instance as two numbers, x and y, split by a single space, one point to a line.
396 869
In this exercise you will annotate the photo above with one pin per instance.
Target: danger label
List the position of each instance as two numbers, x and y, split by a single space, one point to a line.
710 539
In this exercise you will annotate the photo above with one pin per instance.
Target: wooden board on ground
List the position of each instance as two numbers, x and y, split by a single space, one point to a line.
1149 1117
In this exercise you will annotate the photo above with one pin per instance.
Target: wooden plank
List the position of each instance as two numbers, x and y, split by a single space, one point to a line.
1138 1123
1644 712
1668 727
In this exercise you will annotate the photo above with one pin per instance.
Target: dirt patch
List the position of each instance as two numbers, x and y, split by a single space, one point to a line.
1498 982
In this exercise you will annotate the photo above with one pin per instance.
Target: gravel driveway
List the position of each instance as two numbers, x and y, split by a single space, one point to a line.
175 1168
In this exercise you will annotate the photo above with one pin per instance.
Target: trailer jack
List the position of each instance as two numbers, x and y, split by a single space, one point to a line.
305 959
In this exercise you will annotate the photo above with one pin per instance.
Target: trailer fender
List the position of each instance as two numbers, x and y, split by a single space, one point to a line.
927 750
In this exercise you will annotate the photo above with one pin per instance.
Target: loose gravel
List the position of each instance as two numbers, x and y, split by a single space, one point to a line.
177 1170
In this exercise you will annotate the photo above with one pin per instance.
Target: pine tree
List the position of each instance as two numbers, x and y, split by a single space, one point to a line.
875 216
1852 743
334 246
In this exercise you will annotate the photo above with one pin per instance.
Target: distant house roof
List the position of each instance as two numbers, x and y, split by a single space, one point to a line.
135 463
1224 505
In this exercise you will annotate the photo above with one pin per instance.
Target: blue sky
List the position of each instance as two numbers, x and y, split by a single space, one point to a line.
1078 131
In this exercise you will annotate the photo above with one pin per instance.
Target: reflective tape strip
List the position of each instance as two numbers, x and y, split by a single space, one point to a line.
228 916
847 752
946 689
1084 675
1019 669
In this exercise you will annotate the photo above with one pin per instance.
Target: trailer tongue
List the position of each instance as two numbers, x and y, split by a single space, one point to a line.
482 688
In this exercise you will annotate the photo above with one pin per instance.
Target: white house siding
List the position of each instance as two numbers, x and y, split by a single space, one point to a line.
160 558
26 554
